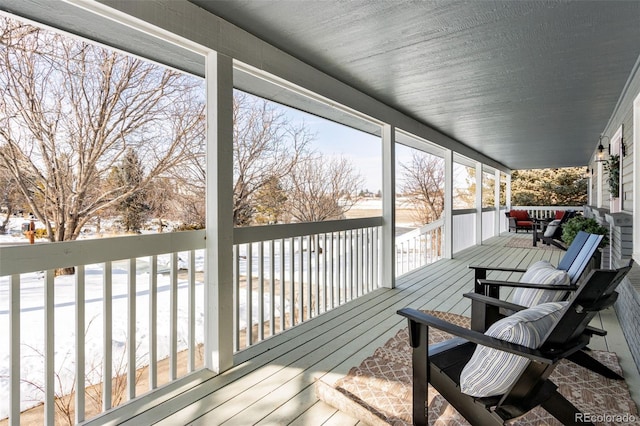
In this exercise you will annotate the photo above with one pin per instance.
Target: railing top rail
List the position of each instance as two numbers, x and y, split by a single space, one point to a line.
459 212
548 208
288 230
32 258
419 231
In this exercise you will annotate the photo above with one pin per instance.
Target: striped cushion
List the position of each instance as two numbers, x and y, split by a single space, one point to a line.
492 372
541 272
551 228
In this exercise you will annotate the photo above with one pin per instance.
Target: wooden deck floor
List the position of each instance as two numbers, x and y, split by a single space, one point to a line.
272 383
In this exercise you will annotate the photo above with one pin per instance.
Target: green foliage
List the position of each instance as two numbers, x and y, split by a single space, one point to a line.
41 233
133 207
271 202
549 187
612 166
580 223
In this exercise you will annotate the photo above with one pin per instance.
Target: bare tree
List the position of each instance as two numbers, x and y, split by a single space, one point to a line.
266 146
322 189
10 198
69 111
423 182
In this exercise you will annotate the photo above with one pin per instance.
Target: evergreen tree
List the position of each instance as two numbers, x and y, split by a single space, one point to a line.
133 207
549 187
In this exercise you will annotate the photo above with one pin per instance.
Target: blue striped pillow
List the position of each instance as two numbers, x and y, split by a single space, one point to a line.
541 272
492 372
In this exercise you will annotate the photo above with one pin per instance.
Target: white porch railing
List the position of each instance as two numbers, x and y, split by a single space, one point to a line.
419 247
464 229
142 294
299 271
488 223
90 333
146 304
545 212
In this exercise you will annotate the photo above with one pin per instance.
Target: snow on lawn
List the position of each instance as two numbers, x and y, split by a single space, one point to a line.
33 328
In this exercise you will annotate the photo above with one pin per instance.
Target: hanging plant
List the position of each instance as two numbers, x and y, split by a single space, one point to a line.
612 166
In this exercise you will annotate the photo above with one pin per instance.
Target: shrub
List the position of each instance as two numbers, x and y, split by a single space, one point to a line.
580 223
189 227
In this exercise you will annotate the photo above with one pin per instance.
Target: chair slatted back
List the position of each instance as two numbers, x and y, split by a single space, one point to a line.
595 295
584 256
573 250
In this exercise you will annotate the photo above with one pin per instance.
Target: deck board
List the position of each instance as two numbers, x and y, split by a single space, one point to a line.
272 383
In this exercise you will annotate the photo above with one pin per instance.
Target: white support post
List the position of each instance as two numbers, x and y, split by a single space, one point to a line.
508 192
219 233
599 202
388 207
478 203
448 205
496 203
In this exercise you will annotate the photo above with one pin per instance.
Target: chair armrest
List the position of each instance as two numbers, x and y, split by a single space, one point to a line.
486 300
496 268
527 285
417 318
595 331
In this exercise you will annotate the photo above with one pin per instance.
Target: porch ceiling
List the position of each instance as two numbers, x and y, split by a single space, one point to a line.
529 83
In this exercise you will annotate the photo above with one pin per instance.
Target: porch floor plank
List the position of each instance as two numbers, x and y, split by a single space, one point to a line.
272 383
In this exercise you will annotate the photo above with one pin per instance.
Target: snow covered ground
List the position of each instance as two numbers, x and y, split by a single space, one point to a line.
33 327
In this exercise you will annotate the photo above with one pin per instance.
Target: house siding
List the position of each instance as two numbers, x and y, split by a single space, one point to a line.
621 224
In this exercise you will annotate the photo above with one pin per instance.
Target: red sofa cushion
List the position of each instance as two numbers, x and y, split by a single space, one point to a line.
520 215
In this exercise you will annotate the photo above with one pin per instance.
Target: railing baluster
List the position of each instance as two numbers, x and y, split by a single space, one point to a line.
351 268
330 276
14 345
292 275
173 317
107 333
309 286
80 346
261 291
131 332
344 254
368 259
317 273
249 297
236 297
49 371
301 292
339 256
191 290
272 288
283 314
360 271
153 322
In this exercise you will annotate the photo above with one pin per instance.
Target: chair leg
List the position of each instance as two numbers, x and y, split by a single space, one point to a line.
560 408
588 362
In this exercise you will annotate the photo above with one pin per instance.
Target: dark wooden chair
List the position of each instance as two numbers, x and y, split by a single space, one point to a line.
575 262
551 231
441 365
